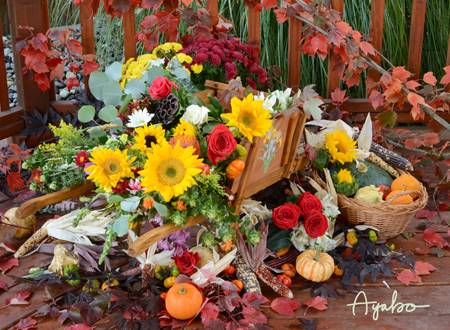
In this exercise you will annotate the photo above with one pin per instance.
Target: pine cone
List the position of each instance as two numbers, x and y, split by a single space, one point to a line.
166 109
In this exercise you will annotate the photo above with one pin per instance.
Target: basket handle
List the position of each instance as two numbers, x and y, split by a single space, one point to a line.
404 193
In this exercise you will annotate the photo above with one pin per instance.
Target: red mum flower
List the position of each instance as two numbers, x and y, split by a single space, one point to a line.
82 158
251 82
230 67
231 75
121 187
215 59
238 56
201 57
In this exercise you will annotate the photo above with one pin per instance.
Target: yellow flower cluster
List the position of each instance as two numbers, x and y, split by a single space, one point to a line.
133 69
169 49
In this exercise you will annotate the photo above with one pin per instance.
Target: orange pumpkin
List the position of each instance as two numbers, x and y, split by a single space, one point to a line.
183 301
406 182
402 200
289 270
315 265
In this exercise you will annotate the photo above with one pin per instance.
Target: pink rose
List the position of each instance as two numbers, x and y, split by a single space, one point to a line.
161 87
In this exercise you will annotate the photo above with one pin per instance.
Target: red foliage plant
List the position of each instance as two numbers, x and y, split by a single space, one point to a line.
49 53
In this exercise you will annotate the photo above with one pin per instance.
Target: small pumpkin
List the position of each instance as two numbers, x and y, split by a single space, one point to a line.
406 182
315 265
402 200
289 270
239 285
183 301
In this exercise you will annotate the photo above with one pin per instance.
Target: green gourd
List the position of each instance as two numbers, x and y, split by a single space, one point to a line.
278 239
366 173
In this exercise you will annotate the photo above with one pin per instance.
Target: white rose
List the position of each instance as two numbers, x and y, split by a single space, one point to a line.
196 115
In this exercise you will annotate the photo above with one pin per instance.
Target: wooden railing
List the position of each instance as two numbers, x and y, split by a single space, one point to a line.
35 13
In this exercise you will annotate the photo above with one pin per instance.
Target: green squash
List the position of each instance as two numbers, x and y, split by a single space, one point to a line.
366 173
278 239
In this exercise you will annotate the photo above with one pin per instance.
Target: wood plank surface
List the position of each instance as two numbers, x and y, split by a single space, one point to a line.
129 31
333 76
376 32
87 34
294 53
419 9
254 23
4 98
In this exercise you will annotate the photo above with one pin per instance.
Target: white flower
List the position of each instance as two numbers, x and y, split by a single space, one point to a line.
284 98
302 241
140 118
329 209
196 115
157 62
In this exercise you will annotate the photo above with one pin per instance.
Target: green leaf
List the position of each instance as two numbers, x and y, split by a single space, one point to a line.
407 235
121 226
108 113
154 73
98 80
437 251
215 102
387 118
135 87
86 113
160 208
114 71
115 199
112 93
321 159
130 204
96 133
126 102
208 127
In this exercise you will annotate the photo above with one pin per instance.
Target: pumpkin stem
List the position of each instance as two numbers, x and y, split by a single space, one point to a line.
317 256
362 168
182 290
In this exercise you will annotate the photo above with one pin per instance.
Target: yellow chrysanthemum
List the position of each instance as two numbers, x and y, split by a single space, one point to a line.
249 117
170 170
147 136
197 68
340 147
345 176
184 128
110 167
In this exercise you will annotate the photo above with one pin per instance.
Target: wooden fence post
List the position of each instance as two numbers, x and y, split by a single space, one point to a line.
4 97
28 13
213 7
129 31
254 23
87 34
294 53
419 9
333 77
376 32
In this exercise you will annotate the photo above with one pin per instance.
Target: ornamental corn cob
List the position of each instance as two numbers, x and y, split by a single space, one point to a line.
279 287
374 159
31 243
246 275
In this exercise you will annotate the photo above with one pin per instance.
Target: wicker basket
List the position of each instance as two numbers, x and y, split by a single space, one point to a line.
390 220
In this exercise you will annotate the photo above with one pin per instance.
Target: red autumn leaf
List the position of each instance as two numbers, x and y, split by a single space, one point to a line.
310 152
74 46
423 268
3 286
269 4
424 213
58 71
26 324
344 27
430 236
285 306
15 181
407 277
73 67
338 96
155 4
26 194
445 79
17 151
79 327
39 42
353 80
433 125
42 80
417 113
367 48
150 40
209 312
443 206
376 99
318 302
430 138
420 251
72 82
11 161
6 265
400 73
348 254
253 299
34 59
415 99
89 67
4 168
429 78
319 43
35 174
412 84
19 298
253 316
187 3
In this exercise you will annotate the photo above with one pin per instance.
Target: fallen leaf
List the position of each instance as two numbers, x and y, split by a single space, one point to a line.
285 306
3 286
425 214
253 316
407 234
420 251
209 312
79 327
253 299
19 298
407 277
6 265
318 303
423 268
25 324
434 239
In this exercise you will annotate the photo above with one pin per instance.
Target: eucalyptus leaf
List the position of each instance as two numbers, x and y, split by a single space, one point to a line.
126 102
86 113
130 204
98 80
112 93
96 133
135 87
118 121
115 199
114 71
160 208
121 226
108 113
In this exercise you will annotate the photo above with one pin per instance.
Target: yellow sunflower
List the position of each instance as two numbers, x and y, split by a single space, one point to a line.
184 128
170 170
340 147
148 136
345 176
110 167
249 117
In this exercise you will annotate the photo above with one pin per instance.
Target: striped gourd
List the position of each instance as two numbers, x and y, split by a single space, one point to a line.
315 265
374 159
245 274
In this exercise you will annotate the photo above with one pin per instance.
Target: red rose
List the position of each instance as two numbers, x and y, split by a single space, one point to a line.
82 158
187 261
286 216
316 224
161 87
221 143
308 204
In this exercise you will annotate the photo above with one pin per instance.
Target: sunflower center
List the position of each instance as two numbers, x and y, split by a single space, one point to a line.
171 171
111 166
248 119
149 140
